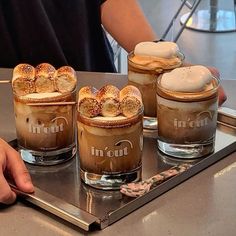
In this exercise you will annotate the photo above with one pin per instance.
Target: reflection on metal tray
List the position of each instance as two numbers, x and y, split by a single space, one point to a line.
60 191
227 116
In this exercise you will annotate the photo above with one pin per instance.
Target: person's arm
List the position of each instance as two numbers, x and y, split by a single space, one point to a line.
221 93
125 21
12 167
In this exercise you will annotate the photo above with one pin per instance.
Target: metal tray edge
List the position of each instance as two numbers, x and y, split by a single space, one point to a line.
171 183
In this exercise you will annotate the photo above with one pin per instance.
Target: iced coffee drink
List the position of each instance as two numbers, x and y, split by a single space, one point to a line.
145 64
110 136
187 102
44 105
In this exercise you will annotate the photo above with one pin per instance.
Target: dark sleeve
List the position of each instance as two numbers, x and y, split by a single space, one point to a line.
102 1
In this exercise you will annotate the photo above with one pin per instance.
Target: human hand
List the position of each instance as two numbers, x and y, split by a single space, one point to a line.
221 92
13 168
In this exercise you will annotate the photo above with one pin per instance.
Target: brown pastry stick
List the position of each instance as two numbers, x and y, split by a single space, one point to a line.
5 81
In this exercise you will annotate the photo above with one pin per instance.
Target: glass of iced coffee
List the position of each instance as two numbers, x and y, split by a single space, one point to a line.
145 64
44 106
110 136
187 102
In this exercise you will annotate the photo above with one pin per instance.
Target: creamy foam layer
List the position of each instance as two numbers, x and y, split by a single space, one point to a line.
41 95
142 78
115 131
188 79
156 56
160 49
108 118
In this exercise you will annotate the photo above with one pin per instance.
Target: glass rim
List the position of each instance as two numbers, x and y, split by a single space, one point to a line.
109 124
180 55
185 96
61 97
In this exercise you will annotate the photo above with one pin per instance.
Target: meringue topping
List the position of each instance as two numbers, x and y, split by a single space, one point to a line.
187 79
159 49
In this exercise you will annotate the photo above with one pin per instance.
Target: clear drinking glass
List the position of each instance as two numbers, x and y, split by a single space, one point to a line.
110 150
45 127
145 80
187 121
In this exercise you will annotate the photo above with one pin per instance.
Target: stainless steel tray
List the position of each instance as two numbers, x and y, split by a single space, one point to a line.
60 191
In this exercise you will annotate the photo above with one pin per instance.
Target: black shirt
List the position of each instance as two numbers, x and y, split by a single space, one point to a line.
60 32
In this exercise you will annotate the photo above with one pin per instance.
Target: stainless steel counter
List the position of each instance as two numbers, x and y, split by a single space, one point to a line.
203 205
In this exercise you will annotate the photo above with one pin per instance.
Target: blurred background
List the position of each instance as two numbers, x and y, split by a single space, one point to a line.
216 49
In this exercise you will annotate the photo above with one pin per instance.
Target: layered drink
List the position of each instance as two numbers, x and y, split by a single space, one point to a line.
187 102
145 64
45 115
110 136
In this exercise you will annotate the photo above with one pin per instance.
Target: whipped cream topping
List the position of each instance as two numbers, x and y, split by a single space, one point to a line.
187 79
160 49
41 95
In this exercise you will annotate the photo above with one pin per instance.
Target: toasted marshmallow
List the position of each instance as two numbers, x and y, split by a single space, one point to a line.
88 104
109 101
24 71
44 78
131 101
108 96
160 49
187 79
65 80
23 79
22 86
156 56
